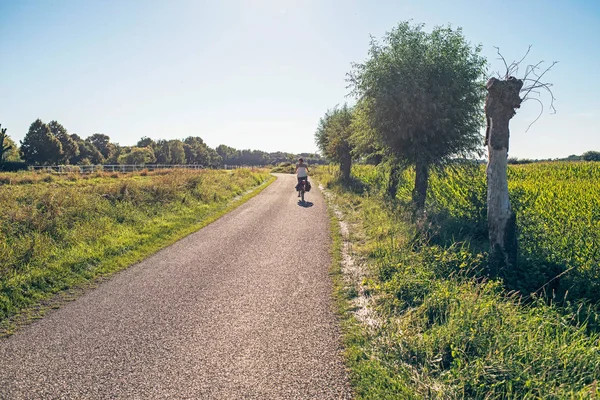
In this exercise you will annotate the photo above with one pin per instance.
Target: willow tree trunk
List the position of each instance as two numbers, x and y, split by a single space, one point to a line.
501 102
421 183
393 181
346 167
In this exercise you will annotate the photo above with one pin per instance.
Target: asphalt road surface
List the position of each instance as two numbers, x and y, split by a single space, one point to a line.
241 309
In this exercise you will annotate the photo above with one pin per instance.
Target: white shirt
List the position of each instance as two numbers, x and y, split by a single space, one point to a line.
302 172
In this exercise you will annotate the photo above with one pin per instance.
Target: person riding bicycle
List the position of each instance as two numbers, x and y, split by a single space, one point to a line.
301 173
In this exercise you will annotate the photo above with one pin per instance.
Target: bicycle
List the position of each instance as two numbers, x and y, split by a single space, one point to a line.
302 190
303 187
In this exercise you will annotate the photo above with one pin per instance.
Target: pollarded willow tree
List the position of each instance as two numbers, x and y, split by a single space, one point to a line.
502 100
422 95
333 137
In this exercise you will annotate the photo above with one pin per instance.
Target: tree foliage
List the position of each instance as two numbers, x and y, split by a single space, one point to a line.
227 154
39 148
145 142
162 152
5 144
88 153
103 144
231 156
70 149
591 156
421 95
196 151
39 145
137 155
12 154
365 142
177 152
333 137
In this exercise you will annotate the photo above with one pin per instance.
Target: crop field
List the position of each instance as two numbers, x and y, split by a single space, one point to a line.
439 326
58 231
558 216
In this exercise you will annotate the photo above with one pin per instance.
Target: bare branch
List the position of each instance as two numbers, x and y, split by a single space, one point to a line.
523 58
533 84
503 60
540 114
513 68
540 77
536 85
531 69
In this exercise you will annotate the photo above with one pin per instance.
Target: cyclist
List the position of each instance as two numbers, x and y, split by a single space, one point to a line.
301 173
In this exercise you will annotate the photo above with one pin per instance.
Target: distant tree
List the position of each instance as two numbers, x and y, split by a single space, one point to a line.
103 144
70 149
251 157
170 152
138 155
229 155
333 137
117 152
591 156
177 152
145 142
13 154
162 152
5 146
190 154
39 145
196 151
215 160
422 95
514 160
88 153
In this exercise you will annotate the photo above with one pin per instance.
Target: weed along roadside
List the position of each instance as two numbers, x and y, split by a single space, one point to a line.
421 321
63 234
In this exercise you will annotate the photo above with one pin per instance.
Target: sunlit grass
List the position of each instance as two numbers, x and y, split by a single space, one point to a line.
444 331
58 232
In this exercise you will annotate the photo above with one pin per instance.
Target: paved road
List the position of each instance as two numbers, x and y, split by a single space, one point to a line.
239 310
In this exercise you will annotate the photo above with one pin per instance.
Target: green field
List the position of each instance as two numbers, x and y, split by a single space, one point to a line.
59 231
439 327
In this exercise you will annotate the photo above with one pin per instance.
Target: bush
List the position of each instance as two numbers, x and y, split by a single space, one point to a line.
284 168
13 166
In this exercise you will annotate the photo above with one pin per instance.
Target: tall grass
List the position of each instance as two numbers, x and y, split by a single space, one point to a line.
442 329
58 231
558 217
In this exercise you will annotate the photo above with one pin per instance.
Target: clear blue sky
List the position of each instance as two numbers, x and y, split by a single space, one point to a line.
260 74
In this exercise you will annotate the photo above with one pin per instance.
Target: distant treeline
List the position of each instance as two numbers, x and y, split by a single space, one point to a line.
51 144
587 156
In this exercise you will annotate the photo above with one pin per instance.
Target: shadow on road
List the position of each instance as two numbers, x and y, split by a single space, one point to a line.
305 204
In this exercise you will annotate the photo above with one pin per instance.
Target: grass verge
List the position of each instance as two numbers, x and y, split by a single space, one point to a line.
437 329
102 233
369 379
